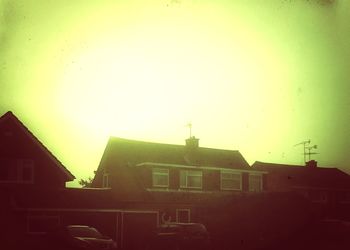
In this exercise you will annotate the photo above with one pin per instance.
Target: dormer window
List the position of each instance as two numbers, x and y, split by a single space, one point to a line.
231 180
191 179
160 177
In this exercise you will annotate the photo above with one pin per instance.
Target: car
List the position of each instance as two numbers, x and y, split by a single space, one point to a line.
180 236
79 237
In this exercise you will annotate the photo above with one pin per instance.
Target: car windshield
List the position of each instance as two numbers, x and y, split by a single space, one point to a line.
88 232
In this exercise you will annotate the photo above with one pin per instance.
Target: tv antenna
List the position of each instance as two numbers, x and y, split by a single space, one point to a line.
189 125
307 147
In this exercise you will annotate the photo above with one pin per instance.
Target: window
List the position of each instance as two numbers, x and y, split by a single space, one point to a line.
160 177
105 181
318 196
231 180
190 179
344 197
16 171
183 215
25 171
255 182
4 172
8 133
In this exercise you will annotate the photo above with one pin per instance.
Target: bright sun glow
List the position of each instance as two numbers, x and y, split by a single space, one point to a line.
168 66
257 76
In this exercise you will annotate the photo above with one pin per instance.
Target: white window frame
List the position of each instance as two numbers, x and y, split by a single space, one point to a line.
261 182
105 180
183 210
160 172
233 173
186 172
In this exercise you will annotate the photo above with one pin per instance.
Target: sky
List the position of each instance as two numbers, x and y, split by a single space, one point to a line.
257 76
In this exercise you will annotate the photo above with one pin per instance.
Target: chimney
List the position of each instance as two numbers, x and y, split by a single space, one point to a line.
311 164
192 143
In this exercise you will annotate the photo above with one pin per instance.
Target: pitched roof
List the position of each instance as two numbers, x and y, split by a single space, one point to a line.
134 152
305 176
121 155
10 116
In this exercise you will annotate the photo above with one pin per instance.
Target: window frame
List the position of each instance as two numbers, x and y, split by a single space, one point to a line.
233 173
105 181
23 164
179 210
19 165
261 182
187 175
155 174
319 196
344 197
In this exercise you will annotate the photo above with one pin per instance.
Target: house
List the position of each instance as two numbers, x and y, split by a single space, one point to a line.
174 179
326 187
25 163
34 197
138 185
28 170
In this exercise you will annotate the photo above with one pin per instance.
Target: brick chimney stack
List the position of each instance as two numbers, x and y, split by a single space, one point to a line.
311 164
192 143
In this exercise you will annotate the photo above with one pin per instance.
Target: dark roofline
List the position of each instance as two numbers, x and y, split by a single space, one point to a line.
281 165
115 142
164 144
274 164
9 115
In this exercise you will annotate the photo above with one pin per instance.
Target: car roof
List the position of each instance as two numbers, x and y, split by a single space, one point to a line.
181 224
78 226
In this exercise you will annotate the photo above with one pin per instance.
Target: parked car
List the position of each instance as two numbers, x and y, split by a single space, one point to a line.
181 236
79 237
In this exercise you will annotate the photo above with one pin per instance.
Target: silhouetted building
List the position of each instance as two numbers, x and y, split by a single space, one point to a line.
139 185
174 179
28 171
25 162
328 188
34 198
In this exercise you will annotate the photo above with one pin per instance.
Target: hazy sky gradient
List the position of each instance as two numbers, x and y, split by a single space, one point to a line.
258 76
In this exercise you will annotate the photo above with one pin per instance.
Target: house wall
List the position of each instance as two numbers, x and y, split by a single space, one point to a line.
16 145
211 180
245 182
130 178
174 178
276 182
325 202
